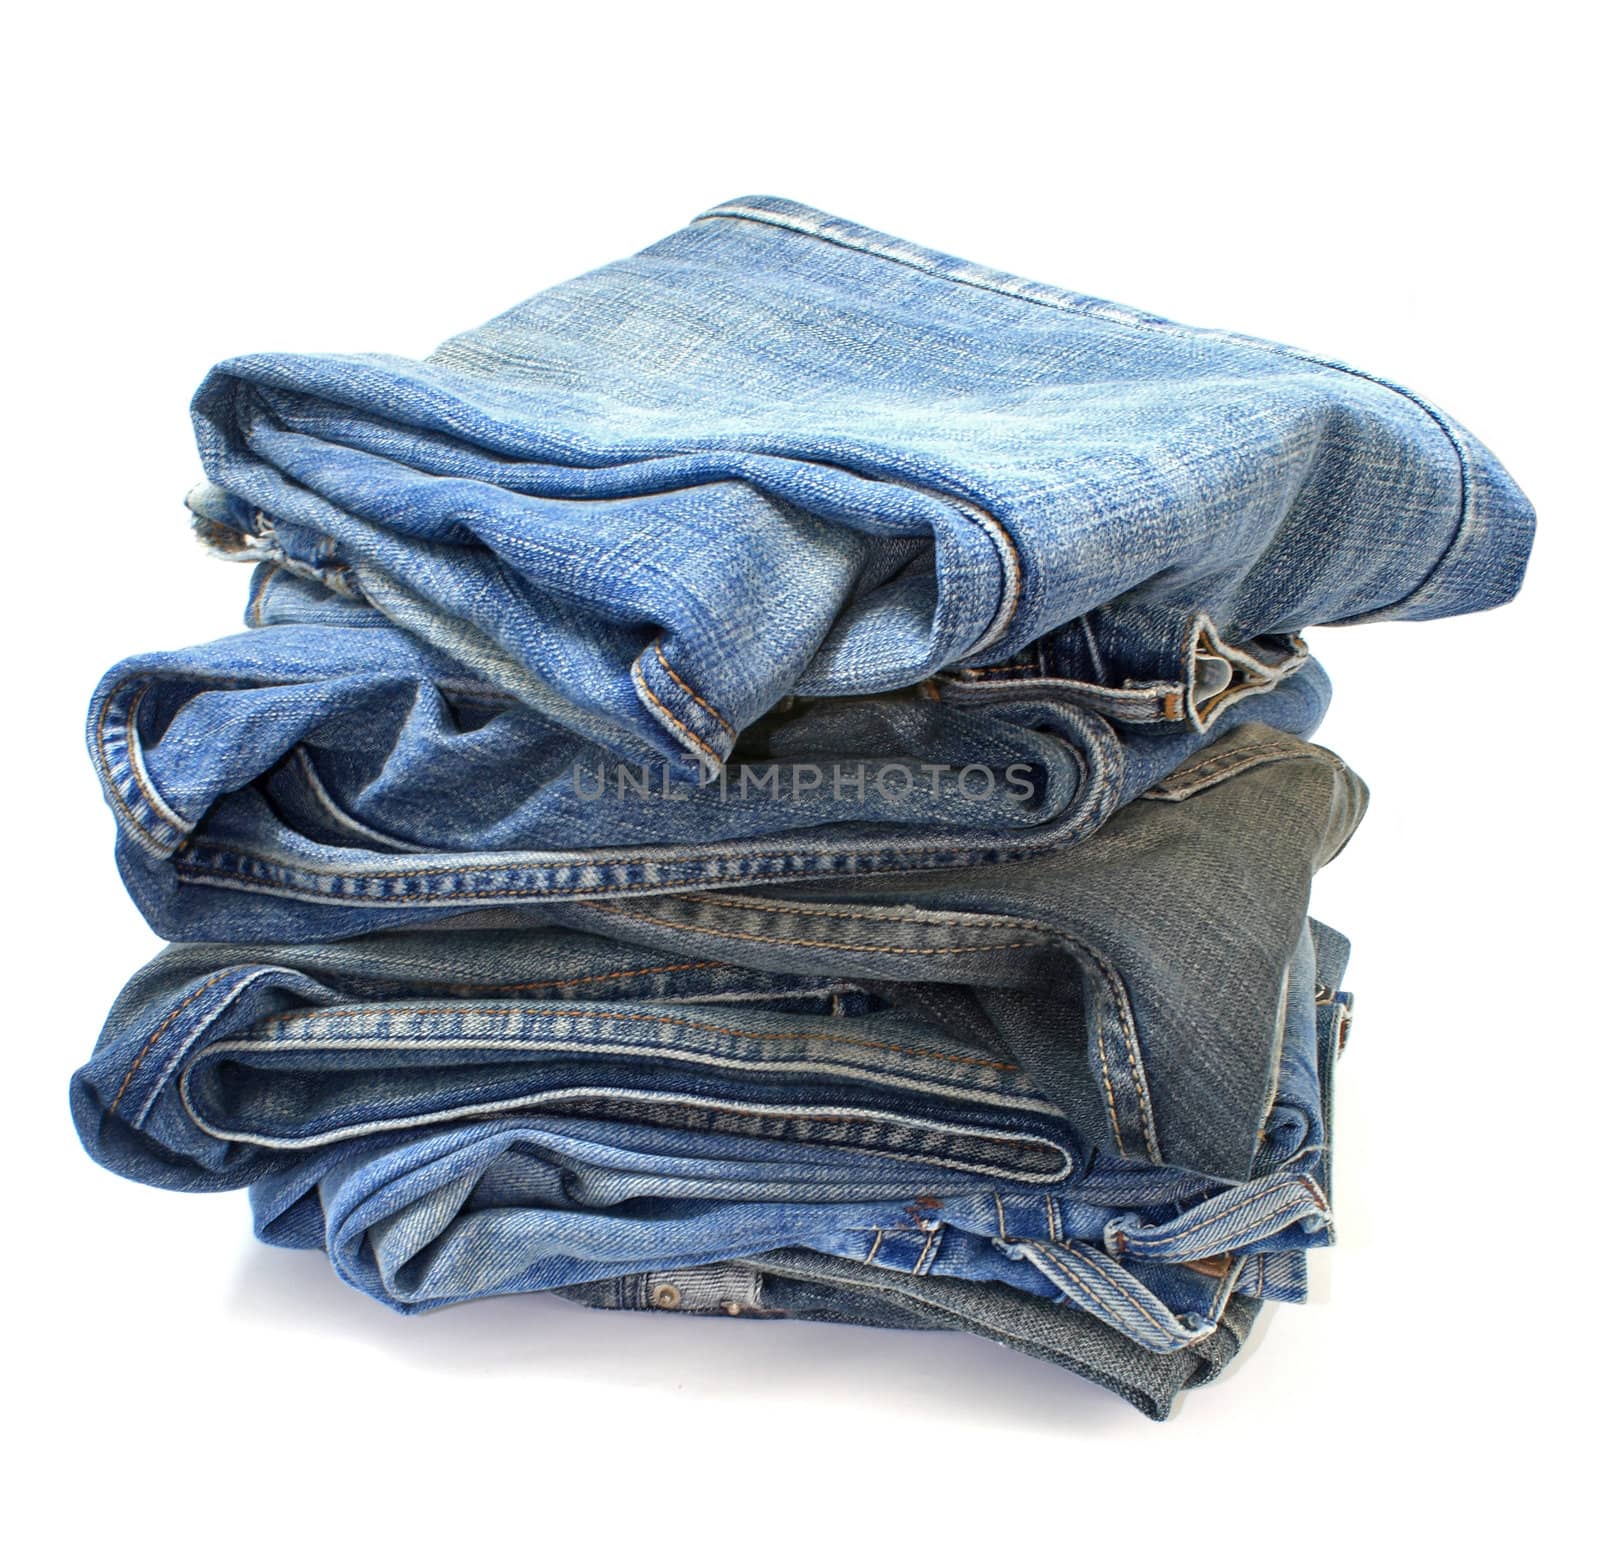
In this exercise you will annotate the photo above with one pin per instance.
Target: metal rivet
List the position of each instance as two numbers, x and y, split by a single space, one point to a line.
668 1296
733 1308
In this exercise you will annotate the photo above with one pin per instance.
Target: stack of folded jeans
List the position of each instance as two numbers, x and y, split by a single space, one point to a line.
770 780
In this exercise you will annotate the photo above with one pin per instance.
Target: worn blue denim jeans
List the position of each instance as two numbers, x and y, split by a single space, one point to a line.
859 558
989 1075
771 778
779 453
816 1288
309 781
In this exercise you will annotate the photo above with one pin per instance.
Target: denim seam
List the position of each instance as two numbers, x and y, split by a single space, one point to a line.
469 988
893 859
1024 1144
1119 1324
880 915
160 1031
1021 1143
1010 567
325 801
581 1012
689 691
1158 702
1149 1249
234 878
136 765
231 869
1199 776
114 715
821 944
1108 975
663 711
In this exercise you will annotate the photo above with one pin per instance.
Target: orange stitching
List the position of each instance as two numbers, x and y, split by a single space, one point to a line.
156 1035
672 718
135 762
690 692
1316 1192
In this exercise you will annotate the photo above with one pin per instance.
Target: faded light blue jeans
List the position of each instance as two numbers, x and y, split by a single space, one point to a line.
771 779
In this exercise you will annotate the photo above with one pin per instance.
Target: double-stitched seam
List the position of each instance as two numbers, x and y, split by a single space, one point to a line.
580 861
1155 1317
842 1116
569 1012
1166 1238
672 717
815 944
1143 1310
969 920
1215 765
689 691
927 1251
599 976
160 1031
1317 1195
1151 1250
136 760
893 858
1010 561
1107 972
113 784
237 879
1010 566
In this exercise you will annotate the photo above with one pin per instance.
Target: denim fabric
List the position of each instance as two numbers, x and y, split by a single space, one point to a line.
778 453
818 1288
771 778
1210 871
312 780
995 1080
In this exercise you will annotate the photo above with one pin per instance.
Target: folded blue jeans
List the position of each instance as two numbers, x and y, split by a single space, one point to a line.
956 1090
817 1288
772 778
778 453
309 781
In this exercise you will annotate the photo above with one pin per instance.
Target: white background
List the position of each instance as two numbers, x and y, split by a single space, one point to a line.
1404 187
